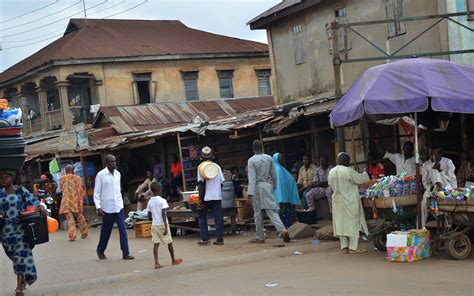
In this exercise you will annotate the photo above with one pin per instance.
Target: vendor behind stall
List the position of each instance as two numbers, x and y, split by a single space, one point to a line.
403 163
143 192
466 171
438 172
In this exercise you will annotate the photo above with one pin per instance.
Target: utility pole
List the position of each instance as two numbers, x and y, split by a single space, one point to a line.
85 13
336 61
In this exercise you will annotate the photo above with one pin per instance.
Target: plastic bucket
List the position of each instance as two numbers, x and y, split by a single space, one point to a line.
228 195
36 228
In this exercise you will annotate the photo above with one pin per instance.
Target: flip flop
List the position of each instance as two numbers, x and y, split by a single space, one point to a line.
358 251
178 261
257 241
158 266
345 251
286 237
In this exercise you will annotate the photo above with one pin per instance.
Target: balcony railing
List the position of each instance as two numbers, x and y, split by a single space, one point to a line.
53 120
32 126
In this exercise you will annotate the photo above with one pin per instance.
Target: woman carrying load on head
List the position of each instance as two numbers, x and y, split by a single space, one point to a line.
13 201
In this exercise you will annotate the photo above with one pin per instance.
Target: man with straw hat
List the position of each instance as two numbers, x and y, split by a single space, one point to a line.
210 179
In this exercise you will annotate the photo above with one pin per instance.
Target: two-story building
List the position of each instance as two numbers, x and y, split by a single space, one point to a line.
301 47
301 40
125 62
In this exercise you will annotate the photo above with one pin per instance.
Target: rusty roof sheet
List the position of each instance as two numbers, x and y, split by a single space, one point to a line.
154 116
113 38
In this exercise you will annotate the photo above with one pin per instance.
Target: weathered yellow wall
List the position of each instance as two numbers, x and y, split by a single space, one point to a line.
170 87
117 78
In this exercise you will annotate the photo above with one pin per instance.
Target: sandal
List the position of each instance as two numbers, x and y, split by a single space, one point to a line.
19 292
345 251
286 237
203 243
358 251
177 261
257 241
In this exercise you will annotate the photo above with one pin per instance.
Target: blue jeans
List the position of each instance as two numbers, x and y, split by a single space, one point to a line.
215 207
107 225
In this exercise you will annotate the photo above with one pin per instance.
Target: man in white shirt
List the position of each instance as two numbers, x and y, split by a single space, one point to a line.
211 189
438 172
109 203
404 163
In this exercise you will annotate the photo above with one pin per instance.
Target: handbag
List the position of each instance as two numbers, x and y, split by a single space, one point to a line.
34 225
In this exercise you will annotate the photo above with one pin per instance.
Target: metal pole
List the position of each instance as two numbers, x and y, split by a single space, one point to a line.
85 13
336 62
418 179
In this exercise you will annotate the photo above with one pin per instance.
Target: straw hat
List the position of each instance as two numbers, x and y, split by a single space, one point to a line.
206 152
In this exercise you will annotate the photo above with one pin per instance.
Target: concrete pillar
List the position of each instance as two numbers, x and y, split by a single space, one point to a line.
66 112
43 106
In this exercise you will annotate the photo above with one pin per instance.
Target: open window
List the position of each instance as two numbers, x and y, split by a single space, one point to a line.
143 82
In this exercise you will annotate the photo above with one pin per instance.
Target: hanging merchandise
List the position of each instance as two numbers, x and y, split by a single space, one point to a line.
54 166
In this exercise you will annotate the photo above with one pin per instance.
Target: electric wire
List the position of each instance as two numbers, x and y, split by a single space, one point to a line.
38 19
133 7
57 21
30 12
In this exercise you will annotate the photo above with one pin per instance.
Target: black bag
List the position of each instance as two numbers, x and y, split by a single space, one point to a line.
35 226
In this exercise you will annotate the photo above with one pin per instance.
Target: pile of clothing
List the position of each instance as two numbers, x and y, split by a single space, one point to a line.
133 217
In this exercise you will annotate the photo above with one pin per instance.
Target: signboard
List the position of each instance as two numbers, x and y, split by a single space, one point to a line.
81 135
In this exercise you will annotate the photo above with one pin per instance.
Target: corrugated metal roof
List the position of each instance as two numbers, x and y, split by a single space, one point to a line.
172 114
104 38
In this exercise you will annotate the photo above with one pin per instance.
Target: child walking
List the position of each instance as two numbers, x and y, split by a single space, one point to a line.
160 230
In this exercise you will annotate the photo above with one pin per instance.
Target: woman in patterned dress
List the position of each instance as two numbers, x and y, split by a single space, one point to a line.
13 201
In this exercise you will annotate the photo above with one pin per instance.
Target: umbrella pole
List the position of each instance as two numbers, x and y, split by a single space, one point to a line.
418 176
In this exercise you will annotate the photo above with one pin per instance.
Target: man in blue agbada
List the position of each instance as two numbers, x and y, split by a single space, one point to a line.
286 190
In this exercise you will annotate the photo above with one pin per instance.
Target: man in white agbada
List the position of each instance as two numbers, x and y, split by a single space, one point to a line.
347 212
438 172
262 182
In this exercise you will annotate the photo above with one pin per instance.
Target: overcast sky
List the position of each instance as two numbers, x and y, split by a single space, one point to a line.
22 36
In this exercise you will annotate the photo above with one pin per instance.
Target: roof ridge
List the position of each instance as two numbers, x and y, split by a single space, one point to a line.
224 36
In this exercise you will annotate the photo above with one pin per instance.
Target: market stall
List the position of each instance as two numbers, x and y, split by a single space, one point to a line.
407 87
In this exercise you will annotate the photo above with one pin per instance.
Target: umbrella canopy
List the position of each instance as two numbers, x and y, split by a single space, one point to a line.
406 86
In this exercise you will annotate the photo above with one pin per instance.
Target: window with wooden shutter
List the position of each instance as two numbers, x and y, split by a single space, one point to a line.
190 85
298 44
394 10
263 78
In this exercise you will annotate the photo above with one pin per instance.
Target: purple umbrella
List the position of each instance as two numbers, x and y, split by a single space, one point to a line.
406 86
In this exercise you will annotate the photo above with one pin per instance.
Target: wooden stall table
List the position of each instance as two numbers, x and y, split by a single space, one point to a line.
230 212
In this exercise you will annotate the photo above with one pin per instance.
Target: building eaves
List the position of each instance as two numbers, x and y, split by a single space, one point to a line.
279 11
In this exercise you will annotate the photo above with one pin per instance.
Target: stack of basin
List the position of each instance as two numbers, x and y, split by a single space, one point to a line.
12 143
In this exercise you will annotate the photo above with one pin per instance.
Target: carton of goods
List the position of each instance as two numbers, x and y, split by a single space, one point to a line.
143 229
408 246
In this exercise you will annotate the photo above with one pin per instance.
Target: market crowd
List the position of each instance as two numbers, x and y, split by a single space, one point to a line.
272 189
